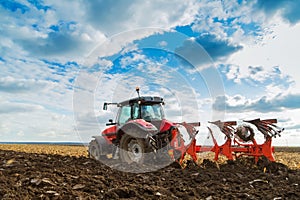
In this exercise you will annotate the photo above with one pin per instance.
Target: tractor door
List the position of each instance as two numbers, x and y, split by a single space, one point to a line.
124 115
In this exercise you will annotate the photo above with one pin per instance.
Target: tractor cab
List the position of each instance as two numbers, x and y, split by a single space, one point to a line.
148 108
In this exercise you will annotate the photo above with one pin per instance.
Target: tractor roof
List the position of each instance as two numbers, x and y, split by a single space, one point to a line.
143 100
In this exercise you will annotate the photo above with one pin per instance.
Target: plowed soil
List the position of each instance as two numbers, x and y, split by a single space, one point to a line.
64 172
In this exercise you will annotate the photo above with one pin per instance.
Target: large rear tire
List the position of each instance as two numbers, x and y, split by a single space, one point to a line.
132 150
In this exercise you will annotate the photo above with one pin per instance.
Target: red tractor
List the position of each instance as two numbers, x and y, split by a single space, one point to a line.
141 132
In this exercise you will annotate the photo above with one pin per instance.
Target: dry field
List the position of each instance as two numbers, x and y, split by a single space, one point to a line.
63 150
65 172
289 156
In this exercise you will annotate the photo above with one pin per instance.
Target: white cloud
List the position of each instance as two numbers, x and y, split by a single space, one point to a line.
35 125
117 43
37 36
263 104
12 108
136 14
281 50
163 43
12 85
233 73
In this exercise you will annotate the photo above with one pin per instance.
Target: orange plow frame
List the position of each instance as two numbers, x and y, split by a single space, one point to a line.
232 148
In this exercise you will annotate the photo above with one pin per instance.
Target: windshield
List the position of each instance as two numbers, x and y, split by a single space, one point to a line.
152 112
149 113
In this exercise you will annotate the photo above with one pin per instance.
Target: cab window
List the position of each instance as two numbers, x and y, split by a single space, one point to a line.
125 114
135 113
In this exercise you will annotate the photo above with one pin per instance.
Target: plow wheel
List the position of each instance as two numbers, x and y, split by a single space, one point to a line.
132 149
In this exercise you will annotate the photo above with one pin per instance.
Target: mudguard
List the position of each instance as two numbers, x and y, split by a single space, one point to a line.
110 134
110 130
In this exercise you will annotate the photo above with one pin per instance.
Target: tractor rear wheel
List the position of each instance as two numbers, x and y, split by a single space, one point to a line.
132 149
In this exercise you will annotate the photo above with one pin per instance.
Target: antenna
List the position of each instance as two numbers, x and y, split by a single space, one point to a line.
137 89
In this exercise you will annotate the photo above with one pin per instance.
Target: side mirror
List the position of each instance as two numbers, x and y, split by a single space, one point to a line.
111 122
105 106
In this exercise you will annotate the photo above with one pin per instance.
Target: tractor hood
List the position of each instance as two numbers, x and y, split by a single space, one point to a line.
153 126
144 124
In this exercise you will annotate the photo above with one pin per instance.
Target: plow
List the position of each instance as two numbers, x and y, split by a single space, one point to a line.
141 133
241 141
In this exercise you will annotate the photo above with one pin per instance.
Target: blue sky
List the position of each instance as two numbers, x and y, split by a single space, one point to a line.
228 60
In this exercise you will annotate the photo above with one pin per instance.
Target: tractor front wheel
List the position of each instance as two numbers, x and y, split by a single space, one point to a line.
94 151
132 149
